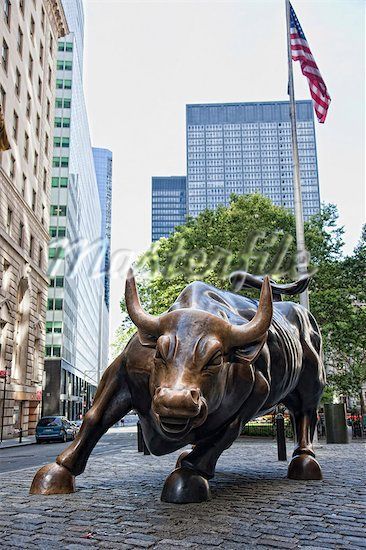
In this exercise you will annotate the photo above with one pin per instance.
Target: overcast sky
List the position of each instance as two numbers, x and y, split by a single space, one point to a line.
145 60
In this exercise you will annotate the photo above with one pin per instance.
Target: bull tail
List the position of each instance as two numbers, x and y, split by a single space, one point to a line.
242 279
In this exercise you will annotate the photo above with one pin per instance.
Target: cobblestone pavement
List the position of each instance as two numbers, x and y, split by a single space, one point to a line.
117 505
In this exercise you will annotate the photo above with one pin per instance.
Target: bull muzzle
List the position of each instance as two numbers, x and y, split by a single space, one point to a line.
178 411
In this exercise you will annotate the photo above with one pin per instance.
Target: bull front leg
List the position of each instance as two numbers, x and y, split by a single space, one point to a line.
189 481
112 402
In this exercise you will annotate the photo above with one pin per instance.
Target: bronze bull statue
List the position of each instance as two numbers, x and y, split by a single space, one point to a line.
195 374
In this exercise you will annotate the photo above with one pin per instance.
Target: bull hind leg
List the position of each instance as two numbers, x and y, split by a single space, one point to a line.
303 465
112 402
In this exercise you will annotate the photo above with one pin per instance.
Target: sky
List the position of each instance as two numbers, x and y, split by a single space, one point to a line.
145 60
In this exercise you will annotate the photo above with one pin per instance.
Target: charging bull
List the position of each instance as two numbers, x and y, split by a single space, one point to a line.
195 374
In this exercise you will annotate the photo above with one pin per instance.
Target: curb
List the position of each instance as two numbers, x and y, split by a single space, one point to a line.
16 445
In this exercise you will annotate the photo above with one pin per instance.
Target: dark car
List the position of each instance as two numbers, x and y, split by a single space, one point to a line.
54 428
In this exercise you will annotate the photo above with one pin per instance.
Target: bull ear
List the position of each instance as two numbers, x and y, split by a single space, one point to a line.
146 339
249 354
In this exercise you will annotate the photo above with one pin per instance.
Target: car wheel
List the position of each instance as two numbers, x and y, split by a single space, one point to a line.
38 441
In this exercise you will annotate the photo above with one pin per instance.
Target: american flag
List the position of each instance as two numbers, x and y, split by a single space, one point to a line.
301 52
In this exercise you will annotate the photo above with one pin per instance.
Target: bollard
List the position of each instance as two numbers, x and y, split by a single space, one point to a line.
140 439
281 437
20 435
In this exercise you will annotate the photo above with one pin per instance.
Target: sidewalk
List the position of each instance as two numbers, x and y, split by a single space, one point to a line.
14 442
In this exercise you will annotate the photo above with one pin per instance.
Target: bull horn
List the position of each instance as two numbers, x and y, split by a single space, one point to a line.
144 321
256 328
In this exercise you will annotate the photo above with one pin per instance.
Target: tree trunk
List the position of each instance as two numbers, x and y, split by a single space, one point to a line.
362 403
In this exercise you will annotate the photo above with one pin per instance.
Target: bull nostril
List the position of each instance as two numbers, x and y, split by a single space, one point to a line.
195 394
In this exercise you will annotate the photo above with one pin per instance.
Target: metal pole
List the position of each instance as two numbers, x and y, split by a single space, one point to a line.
300 238
3 408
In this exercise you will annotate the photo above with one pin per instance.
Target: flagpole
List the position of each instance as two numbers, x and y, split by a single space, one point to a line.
300 237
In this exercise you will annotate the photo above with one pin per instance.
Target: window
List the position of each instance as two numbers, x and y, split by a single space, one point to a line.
57 231
65 142
48 349
21 6
64 162
61 46
68 65
46 144
21 234
17 82
67 103
34 200
41 52
24 186
43 219
58 122
2 99
59 282
60 65
67 84
58 303
57 141
26 145
66 123
69 46
39 88
20 41
31 27
56 253
30 66
45 177
48 111
59 182
60 162
43 18
38 125
58 210
28 107
40 257
51 44
35 165
9 219
31 246
15 125
49 76
59 83
12 167
58 103
56 350
7 11
5 56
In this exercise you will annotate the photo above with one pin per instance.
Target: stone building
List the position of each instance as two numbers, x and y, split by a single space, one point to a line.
29 30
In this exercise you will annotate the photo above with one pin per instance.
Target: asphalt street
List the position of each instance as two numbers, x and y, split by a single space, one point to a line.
17 458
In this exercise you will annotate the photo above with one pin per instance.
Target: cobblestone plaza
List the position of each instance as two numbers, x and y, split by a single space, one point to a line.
117 504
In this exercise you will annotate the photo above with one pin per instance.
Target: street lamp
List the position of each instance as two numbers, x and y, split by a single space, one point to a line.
3 374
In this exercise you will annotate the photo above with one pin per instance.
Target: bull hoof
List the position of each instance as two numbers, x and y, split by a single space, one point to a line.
304 467
181 457
184 486
53 479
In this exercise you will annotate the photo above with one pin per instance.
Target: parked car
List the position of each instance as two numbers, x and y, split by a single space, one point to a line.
54 428
77 425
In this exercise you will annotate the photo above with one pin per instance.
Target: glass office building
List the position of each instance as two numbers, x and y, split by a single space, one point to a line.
246 148
169 205
75 297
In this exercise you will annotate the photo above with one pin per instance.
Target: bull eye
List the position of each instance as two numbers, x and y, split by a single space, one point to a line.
158 356
215 361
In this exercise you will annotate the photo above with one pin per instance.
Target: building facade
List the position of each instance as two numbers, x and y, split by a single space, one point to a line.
103 160
28 35
75 294
169 205
246 148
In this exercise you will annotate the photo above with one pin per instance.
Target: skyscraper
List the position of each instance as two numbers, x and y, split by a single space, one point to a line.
169 205
28 38
103 169
246 148
75 297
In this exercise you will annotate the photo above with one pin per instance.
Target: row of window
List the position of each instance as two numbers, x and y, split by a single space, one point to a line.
60 162
20 237
62 84
64 46
59 182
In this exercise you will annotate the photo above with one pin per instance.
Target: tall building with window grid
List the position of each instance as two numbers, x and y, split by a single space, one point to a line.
246 148
169 205
73 337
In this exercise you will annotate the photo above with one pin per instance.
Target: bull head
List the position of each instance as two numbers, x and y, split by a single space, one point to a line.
193 356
